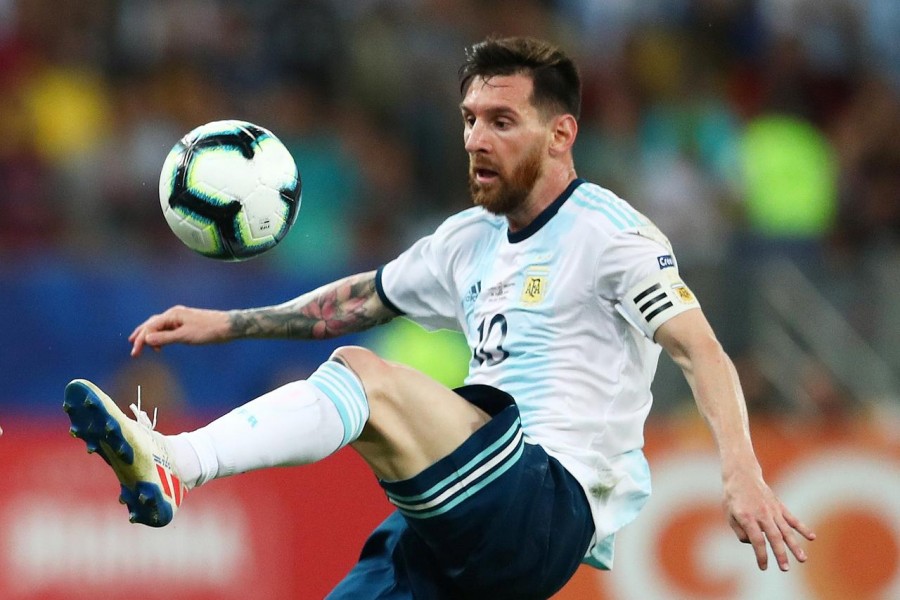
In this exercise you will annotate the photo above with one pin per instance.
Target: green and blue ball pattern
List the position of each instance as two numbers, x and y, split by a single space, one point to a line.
230 190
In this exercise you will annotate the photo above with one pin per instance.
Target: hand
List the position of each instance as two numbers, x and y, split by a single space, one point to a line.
756 516
180 324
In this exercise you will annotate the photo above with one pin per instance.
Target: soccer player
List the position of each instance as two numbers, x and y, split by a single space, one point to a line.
504 486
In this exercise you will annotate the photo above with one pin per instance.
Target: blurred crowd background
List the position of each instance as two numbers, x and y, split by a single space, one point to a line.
763 136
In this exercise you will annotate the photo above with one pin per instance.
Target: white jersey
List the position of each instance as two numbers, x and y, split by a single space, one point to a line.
561 316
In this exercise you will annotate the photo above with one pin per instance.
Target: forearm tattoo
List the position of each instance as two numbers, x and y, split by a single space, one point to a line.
345 306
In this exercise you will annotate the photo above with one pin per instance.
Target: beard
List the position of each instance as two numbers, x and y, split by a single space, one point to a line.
507 194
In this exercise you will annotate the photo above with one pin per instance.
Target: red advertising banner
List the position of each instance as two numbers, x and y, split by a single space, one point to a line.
294 532
278 533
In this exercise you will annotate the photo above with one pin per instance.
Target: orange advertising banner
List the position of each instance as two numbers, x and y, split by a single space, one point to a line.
294 532
840 478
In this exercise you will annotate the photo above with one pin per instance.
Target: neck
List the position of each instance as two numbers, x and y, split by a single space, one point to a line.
545 191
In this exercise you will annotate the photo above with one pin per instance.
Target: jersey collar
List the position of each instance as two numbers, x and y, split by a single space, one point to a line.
547 214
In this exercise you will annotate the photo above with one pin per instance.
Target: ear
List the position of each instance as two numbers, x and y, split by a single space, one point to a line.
562 135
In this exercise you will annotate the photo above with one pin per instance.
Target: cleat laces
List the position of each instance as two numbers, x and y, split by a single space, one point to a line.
141 416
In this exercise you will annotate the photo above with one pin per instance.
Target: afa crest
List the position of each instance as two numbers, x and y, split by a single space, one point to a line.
535 286
684 294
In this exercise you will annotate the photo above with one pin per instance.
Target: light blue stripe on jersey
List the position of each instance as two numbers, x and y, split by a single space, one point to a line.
345 390
466 481
619 212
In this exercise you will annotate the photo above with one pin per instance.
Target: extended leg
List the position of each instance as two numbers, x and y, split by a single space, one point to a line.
398 419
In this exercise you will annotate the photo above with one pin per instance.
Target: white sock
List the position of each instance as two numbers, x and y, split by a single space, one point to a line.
299 423
186 459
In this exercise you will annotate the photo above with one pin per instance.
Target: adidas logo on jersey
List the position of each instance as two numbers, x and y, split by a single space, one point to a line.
473 292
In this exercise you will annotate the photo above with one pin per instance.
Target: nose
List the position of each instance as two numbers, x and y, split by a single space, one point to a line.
476 138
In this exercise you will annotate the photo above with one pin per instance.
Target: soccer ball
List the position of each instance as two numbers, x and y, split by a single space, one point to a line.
230 190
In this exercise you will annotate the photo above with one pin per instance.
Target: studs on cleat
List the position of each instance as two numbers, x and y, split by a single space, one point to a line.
126 449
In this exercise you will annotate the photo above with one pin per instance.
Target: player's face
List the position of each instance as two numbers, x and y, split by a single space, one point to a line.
506 141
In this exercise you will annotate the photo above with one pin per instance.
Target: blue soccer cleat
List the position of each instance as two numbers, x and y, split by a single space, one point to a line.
138 455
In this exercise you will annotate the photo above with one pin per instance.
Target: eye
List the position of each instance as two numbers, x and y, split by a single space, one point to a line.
469 120
502 124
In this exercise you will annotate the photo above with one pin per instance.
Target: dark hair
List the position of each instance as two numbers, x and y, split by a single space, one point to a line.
557 84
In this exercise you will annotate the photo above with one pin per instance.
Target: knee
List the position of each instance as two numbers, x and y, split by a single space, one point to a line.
375 373
359 359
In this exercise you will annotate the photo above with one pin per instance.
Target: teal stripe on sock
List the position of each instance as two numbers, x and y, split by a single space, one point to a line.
342 387
344 392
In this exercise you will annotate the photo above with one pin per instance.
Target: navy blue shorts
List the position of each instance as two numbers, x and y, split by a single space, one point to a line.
497 518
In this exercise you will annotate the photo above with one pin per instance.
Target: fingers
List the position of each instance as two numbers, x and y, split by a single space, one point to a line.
738 530
791 524
793 544
138 338
797 525
777 542
776 530
137 342
153 331
761 534
782 537
757 540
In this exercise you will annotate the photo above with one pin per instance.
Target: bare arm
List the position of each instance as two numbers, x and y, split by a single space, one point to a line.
345 306
754 513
